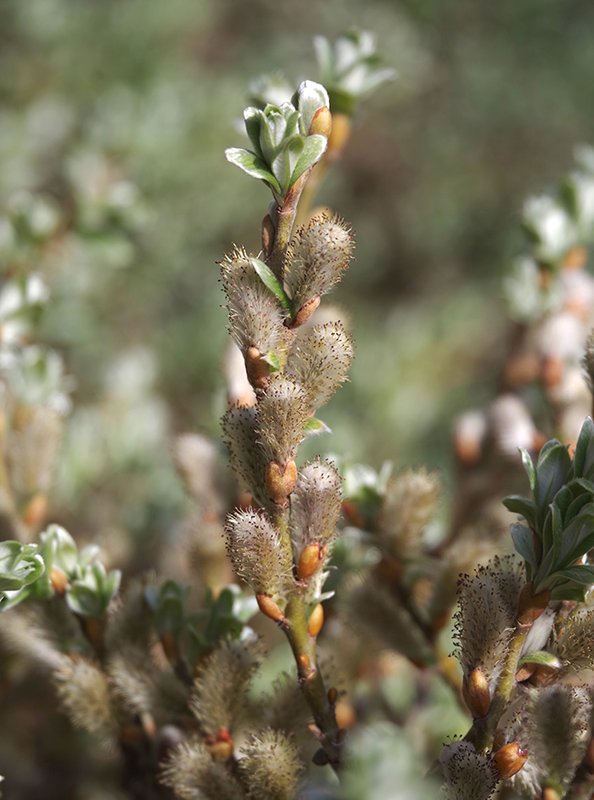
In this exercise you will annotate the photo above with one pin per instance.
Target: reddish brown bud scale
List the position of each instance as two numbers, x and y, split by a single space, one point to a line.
305 667
170 646
525 672
271 610
280 482
258 371
332 695
310 560
509 760
305 312
476 693
58 580
268 234
531 606
352 513
316 621
321 122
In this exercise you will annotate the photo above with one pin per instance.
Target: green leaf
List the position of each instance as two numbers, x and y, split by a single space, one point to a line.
310 97
578 537
315 427
20 565
528 465
583 459
552 470
521 505
569 591
523 539
314 148
540 657
253 165
582 574
272 283
272 360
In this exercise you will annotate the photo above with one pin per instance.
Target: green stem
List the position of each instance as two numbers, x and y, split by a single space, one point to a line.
311 680
283 223
483 731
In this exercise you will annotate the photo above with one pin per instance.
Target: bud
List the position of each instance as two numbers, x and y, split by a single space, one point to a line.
550 794
305 667
58 580
271 610
332 695
310 560
305 312
476 693
280 482
258 370
222 747
316 621
268 235
321 122
341 130
509 760
575 258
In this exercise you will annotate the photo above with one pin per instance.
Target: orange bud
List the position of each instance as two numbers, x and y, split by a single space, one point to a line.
341 130
221 751
268 234
280 482
316 621
525 672
345 714
35 510
550 794
305 312
310 560
352 513
575 258
305 667
258 371
271 610
332 695
476 693
58 580
321 122
509 760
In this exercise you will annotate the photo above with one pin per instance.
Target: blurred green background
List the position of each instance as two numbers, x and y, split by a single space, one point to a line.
490 101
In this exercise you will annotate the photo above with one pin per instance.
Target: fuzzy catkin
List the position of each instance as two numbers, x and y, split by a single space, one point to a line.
255 549
218 695
245 452
468 775
320 360
315 504
255 316
488 602
270 766
282 413
193 775
317 257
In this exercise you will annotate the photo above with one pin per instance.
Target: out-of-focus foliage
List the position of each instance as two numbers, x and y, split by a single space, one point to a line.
115 202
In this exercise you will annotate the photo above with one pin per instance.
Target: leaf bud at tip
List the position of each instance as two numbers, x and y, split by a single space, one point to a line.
280 482
316 621
271 610
321 122
509 760
476 693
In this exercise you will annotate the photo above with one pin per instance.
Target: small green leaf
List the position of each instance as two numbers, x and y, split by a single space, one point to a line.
313 149
315 427
540 657
582 574
552 470
528 465
253 165
272 360
523 539
272 283
522 506
20 565
583 459
569 591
